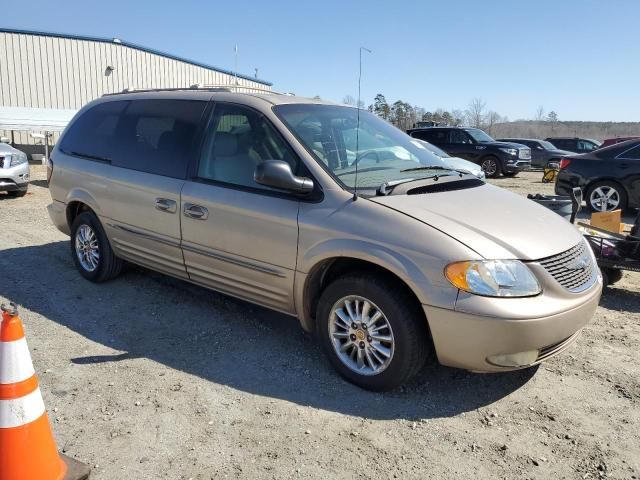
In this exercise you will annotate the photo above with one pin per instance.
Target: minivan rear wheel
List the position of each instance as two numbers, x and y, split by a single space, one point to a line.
91 251
372 331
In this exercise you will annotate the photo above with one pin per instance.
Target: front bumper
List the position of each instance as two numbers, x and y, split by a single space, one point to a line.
517 166
467 340
14 178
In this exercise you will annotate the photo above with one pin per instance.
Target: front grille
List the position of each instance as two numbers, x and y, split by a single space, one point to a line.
525 154
573 269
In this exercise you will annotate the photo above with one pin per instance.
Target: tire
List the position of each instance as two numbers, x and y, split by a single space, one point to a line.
401 320
492 166
616 200
17 193
107 265
611 276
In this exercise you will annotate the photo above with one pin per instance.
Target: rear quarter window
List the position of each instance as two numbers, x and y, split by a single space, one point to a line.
92 134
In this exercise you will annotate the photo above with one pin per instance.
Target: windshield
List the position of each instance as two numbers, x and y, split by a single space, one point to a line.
479 136
383 153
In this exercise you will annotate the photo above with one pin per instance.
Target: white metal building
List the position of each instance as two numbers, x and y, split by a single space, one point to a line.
46 77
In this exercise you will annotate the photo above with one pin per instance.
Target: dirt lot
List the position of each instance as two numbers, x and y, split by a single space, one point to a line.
147 377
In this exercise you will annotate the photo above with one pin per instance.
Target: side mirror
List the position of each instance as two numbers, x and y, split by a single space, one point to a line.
278 174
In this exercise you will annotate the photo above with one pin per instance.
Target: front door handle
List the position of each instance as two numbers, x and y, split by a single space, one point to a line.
166 205
197 212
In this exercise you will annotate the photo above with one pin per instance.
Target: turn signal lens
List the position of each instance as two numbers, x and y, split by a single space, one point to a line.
493 278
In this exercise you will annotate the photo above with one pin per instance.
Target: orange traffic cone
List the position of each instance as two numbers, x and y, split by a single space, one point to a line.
27 447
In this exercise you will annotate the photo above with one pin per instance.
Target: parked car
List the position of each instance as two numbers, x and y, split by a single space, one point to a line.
455 162
609 177
385 252
612 141
542 152
474 145
14 171
574 144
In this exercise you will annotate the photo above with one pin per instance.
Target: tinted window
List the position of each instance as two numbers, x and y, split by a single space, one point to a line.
434 136
157 136
459 136
633 154
584 146
92 135
564 144
237 141
423 135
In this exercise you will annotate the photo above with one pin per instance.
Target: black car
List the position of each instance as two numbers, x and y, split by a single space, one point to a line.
609 177
474 145
574 144
542 152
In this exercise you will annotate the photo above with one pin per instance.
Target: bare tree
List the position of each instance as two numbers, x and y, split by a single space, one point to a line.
476 111
539 114
457 118
492 119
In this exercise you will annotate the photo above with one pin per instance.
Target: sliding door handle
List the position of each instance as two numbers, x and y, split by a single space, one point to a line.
197 212
166 205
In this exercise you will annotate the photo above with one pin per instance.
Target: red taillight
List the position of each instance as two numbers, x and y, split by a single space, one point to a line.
564 163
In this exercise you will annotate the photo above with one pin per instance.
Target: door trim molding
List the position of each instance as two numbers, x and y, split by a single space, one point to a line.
235 261
143 234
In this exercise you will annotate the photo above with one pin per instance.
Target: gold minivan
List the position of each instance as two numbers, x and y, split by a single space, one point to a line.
329 214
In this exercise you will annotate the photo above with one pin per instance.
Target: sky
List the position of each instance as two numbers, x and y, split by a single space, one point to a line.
579 58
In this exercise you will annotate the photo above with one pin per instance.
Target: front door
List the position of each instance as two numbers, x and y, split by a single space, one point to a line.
462 145
239 237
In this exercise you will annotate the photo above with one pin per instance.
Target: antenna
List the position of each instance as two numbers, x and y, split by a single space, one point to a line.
235 70
355 188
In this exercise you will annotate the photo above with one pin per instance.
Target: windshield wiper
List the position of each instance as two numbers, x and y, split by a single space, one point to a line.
427 167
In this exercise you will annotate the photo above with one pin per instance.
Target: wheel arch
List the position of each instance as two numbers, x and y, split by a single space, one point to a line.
79 201
327 269
591 182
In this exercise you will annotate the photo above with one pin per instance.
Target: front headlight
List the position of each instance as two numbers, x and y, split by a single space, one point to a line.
493 278
510 151
17 159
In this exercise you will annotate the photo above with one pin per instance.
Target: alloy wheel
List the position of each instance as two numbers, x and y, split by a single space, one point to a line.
87 249
604 198
361 335
490 167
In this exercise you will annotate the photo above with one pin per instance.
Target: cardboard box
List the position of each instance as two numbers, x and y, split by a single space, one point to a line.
609 221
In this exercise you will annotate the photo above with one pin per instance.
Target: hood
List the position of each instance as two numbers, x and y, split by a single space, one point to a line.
6 148
492 221
506 145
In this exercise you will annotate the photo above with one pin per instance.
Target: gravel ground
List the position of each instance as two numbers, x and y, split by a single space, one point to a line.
148 377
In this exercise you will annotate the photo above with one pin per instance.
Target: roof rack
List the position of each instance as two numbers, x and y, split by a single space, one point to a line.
204 87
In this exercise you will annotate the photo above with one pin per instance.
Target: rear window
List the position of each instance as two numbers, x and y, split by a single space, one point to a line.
153 136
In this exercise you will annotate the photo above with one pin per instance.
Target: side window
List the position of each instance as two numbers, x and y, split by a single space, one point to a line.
237 141
585 146
423 135
92 134
633 154
459 137
156 136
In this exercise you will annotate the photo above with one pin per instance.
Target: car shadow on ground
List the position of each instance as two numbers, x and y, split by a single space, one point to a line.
222 340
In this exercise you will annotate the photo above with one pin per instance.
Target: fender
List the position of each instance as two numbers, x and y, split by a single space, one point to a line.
81 195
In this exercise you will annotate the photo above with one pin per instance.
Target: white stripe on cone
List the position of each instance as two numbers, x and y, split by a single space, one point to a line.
20 411
15 362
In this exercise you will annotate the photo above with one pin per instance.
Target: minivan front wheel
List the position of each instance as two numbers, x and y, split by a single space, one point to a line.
91 251
372 332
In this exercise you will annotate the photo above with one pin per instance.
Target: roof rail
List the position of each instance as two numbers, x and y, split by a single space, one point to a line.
201 86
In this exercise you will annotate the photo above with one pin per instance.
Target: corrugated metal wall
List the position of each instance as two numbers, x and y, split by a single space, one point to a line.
53 72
